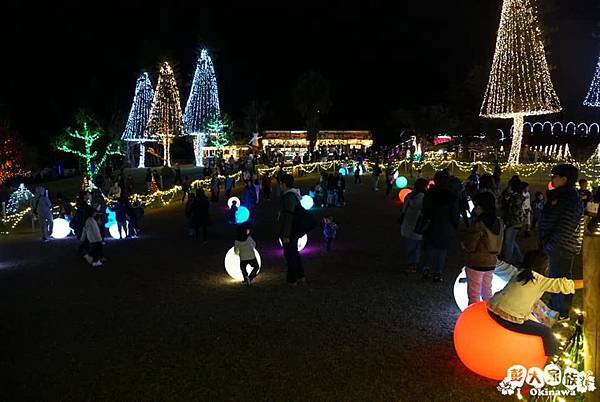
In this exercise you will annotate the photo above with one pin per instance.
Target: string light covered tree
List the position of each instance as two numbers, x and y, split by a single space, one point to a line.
202 104
165 120
135 130
519 84
218 131
592 99
87 145
11 155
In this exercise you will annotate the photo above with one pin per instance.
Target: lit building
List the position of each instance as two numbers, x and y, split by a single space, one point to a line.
296 142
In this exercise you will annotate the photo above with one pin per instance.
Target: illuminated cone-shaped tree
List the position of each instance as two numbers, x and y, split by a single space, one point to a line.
89 151
165 120
203 103
135 130
592 98
519 82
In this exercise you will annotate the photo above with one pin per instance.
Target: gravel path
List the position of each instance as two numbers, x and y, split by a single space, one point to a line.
162 321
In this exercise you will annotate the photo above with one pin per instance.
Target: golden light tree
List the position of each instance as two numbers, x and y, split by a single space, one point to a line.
519 84
166 121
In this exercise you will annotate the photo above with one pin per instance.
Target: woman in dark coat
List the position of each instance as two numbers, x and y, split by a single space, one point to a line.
441 214
200 217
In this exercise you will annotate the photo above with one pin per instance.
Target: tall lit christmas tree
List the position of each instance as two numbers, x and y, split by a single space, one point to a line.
592 99
165 120
203 103
519 84
135 130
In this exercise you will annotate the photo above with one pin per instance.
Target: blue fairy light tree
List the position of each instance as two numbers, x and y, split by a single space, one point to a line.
202 105
135 130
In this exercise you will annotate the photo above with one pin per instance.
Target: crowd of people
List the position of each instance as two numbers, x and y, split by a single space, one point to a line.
494 218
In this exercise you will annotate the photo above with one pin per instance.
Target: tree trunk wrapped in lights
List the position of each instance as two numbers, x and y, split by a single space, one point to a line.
202 104
165 120
135 130
519 84
88 152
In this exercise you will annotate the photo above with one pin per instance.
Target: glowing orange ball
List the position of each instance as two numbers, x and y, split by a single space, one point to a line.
403 193
489 349
550 186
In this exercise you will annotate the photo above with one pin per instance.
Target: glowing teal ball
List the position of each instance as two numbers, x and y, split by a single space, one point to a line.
242 215
343 171
401 182
307 202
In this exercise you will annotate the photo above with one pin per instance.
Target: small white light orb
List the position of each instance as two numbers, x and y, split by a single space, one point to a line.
60 228
460 288
114 231
307 202
301 242
232 264
231 200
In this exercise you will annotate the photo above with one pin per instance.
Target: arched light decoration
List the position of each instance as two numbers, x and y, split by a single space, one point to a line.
519 84
460 288
489 349
232 264
403 193
231 200
307 202
401 182
301 242
242 215
60 228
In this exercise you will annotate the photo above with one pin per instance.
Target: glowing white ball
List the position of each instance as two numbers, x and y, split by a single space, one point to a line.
231 200
460 288
114 231
60 228
232 264
301 242
307 202
396 174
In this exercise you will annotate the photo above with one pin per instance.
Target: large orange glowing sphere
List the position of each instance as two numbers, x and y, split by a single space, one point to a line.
403 193
489 349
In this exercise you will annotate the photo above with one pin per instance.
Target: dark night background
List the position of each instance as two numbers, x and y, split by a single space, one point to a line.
377 56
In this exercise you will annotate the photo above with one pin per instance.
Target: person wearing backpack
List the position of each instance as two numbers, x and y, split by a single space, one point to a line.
290 204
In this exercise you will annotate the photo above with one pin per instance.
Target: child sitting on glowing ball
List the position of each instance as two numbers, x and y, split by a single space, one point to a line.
512 307
244 246
482 245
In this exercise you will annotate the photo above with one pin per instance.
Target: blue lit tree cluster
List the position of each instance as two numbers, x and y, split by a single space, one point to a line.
202 106
135 130
592 98
155 115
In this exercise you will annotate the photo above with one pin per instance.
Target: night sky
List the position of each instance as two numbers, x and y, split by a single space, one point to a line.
376 55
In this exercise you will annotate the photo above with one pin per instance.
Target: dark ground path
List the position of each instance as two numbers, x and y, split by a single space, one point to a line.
162 321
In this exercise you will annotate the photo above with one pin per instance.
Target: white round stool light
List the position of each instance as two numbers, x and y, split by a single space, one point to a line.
301 242
60 228
460 288
114 231
232 264
231 200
